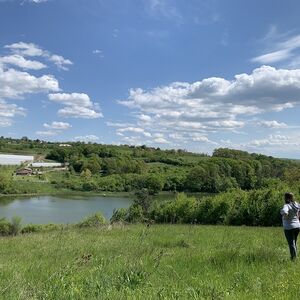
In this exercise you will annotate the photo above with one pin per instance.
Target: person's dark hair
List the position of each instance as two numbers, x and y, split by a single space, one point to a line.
289 197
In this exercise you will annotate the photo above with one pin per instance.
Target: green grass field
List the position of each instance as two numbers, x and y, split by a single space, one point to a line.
156 262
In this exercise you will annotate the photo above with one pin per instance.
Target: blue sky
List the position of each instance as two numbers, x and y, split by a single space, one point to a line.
194 74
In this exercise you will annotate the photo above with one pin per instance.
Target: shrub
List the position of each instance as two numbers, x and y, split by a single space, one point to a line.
95 220
5 227
119 215
30 228
16 225
180 210
135 214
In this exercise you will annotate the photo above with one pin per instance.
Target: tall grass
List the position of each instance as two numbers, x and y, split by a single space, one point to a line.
149 262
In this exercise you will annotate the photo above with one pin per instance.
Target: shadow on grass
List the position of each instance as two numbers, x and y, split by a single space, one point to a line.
176 244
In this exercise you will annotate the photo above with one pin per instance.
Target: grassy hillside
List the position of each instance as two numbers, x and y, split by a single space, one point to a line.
156 262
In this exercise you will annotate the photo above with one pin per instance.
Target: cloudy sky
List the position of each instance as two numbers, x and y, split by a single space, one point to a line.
195 75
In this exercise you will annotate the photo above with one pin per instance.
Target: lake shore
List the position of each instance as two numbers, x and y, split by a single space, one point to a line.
71 193
60 209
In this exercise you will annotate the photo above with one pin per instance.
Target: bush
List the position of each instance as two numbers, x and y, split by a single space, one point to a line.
236 207
5 227
31 228
119 215
95 220
16 225
133 214
180 210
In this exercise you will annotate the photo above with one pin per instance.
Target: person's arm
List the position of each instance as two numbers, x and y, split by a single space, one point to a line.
285 211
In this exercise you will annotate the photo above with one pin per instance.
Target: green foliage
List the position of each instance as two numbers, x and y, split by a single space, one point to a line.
6 179
134 214
95 220
180 210
31 228
236 207
34 228
86 173
196 179
119 215
292 175
16 225
149 262
143 199
230 153
10 228
153 183
89 185
132 277
128 168
5 227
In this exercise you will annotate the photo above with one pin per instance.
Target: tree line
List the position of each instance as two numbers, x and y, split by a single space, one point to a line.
98 167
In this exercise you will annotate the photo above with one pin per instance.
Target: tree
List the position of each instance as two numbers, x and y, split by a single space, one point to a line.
292 175
196 179
143 199
4 183
154 184
93 164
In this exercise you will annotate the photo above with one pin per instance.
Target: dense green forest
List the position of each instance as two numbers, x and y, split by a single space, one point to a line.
96 167
246 188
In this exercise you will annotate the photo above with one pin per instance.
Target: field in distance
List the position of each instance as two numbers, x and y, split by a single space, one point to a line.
155 262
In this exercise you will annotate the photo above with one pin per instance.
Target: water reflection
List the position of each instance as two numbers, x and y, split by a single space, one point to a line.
53 209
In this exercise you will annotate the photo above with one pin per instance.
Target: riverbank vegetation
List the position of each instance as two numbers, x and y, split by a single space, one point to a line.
14 226
185 258
108 168
236 207
149 262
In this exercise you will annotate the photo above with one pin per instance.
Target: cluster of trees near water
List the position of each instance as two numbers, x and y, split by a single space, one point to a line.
236 207
247 187
130 168
96 167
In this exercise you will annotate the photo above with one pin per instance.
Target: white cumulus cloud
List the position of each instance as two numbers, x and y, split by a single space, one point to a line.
20 61
47 132
16 84
57 125
38 1
214 104
77 105
54 128
272 124
61 62
25 49
30 49
87 138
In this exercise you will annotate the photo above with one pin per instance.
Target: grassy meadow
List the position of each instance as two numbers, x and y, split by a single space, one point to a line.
154 262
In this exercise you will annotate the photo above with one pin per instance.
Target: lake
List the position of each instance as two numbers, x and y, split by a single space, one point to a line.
11 159
59 209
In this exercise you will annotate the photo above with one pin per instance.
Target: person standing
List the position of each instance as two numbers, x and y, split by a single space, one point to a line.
290 222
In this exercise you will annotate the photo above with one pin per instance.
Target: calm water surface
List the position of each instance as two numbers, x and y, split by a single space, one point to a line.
64 210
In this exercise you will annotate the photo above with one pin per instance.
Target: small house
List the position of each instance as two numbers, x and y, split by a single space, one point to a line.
24 172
